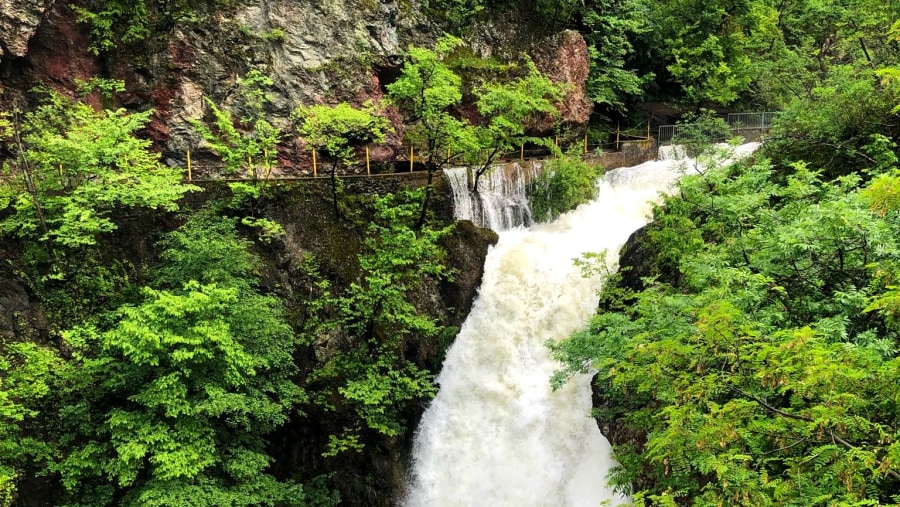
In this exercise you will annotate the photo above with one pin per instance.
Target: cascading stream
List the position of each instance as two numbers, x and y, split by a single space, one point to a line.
495 434
501 201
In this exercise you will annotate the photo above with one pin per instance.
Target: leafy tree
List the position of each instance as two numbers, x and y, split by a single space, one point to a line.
429 89
697 134
565 182
425 93
78 170
508 110
242 147
609 27
336 129
756 365
172 404
27 372
833 125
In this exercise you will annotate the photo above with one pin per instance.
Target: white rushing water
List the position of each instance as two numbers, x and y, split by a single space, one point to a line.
501 202
496 434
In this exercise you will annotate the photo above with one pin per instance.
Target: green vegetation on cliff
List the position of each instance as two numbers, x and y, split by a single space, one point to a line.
187 343
168 365
755 363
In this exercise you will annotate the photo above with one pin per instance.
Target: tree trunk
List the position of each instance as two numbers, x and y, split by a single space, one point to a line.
424 212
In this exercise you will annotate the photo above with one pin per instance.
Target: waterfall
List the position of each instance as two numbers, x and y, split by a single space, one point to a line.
496 434
501 202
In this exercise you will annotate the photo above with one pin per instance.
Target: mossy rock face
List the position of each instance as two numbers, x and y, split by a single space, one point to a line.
21 319
467 248
305 210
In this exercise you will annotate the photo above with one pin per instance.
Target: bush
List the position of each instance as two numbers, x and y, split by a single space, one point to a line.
565 183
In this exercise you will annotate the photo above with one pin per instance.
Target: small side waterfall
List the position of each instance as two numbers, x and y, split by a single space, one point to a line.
496 434
501 202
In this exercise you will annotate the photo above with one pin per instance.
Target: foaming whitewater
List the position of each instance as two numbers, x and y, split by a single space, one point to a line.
496 434
501 201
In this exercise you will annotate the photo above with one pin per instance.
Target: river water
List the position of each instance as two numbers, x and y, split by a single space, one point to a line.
496 434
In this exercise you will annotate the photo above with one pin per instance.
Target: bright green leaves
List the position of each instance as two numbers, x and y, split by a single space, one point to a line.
27 372
183 331
425 92
253 149
759 365
194 377
705 73
566 182
335 129
380 319
611 26
429 88
78 168
833 127
509 110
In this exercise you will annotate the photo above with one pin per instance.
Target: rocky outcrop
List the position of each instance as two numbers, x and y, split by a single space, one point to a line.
467 247
19 19
314 51
57 54
564 58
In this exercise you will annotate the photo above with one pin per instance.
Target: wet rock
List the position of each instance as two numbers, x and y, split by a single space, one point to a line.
19 19
634 263
467 247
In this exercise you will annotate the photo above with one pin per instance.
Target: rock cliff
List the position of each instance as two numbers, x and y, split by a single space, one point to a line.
314 51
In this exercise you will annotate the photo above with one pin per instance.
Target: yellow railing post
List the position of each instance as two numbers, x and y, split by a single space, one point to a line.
189 163
585 143
522 152
412 157
368 168
618 129
60 172
315 172
448 154
648 130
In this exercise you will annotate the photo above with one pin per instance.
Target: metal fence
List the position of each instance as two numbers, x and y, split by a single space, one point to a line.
736 123
746 121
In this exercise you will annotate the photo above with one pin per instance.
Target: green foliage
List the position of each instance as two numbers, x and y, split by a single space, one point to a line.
371 377
457 14
565 183
172 404
79 170
243 148
425 92
758 364
429 89
27 371
105 29
833 126
337 129
116 22
610 28
508 110
697 134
